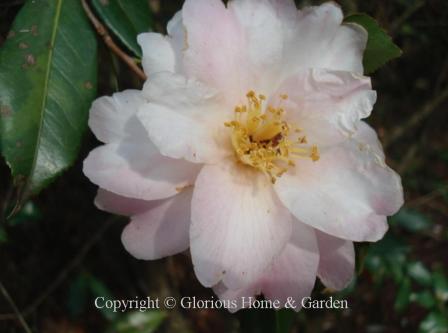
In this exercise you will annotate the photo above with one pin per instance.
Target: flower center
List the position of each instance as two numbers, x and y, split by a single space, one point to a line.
263 140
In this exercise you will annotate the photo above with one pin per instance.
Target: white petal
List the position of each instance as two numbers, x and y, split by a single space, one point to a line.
215 48
347 193
327 105
337 261
117 204
238 225
263 39
137 170
110 116
160 231
292 274
322 41
185 119
158 53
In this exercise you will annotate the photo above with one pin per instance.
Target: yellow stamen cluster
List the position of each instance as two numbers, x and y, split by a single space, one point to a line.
263 140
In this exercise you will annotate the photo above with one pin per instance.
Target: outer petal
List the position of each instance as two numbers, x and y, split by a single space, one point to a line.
215 47
160 231
109 116
263 34
347 193
158 53
327 104
292 274
137 170
185 119
117 204
322 41
337 261
238 225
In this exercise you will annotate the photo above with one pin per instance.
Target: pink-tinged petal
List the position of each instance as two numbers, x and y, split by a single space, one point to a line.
292 274
109 117
238 225
158 53
214 51
185 119
160 231
347 193
322 41
337 261
262 30
117 204
137 170
327 105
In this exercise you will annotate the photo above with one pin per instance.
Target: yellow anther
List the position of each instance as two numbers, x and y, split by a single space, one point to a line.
261 138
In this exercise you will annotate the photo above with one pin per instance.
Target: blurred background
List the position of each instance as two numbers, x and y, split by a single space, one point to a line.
60 252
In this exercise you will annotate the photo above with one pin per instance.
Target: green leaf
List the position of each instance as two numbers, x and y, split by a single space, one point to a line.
126 19
29 212
47 82
424 298
434 323
403 296
139 322
419 273
99 289
284 320
411 220
78 295
3 236
440 282
380 47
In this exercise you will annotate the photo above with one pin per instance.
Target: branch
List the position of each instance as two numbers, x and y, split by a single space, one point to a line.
62 275
417 118
102 31
16 313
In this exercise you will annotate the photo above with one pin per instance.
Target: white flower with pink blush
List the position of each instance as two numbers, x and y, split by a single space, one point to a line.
247 146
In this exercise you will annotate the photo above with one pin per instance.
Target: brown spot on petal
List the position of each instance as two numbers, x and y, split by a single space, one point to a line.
23 45
180 189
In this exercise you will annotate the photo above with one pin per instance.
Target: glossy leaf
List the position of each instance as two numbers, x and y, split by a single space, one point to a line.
419 273
403 295
3 236
434 323
284 320
424 298
440 282
411 220
126 19
380 47
47 82
139 322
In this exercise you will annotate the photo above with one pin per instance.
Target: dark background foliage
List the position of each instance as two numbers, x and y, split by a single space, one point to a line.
59 252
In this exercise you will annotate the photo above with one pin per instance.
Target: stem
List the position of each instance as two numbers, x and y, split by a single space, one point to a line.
102 31
17 313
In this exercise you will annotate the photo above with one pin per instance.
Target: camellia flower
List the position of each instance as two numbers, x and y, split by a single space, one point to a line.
246 146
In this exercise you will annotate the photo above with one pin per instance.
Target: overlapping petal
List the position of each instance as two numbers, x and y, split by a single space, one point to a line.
291 275
347 193
327 105
162 230
238 225
110 117
138 170
337 261
185 119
